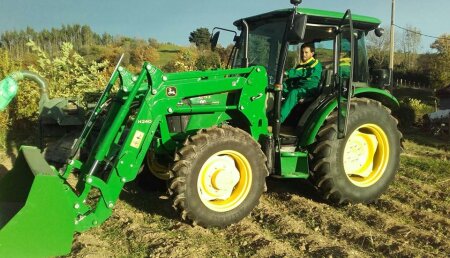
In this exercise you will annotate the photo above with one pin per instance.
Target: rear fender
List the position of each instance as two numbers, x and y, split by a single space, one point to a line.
317 118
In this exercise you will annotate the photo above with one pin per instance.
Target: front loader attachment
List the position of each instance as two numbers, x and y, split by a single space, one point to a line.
36 209
40 211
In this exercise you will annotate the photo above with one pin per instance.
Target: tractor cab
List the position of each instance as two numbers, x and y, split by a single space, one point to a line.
264 40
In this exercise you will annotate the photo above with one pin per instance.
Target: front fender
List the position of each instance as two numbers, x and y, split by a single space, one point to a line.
317 118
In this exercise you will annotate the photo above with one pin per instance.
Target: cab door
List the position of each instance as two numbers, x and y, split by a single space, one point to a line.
344 71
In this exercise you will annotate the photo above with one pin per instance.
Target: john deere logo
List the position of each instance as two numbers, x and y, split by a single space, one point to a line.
171 92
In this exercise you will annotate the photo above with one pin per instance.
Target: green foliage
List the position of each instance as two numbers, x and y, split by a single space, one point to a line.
135 51
405 115
141 53
441 73
50 40
378 50
411 111
191 59
90 45
152 42
409 45
208 60
185 61
224 54
7 65
426 96
200 37
69 74
419 107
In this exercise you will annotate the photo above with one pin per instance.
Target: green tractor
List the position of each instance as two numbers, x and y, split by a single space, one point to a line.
215 136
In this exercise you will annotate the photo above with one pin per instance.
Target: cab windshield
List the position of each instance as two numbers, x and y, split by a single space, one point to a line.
265 40
264 43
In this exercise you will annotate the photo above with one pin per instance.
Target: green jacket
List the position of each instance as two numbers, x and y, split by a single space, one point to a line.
345 64
305 75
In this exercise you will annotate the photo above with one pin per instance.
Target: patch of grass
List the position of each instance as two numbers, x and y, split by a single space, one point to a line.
167 52
426 158
425 169
421 142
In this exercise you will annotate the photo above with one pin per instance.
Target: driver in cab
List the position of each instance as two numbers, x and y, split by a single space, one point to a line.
302 81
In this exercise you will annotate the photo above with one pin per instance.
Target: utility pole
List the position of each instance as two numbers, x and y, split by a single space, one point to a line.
392 46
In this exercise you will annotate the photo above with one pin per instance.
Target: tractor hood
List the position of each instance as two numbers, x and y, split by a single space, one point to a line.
318 17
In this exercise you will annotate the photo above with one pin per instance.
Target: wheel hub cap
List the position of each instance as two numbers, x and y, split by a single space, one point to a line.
366 155
220 177
358 154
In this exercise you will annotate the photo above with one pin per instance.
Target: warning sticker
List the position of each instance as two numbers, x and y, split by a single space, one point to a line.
137 139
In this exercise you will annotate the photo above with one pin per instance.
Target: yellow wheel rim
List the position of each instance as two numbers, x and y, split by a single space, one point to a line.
366 155
224 180
158 170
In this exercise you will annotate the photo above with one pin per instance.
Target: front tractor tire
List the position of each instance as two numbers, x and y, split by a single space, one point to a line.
359 167
218 176
154 174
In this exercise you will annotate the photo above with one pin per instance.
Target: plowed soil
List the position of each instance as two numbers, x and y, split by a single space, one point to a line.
412 219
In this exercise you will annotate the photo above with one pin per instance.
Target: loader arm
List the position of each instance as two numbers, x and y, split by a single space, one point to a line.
126 137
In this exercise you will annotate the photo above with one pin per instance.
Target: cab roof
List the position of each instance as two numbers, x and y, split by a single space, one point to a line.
320 17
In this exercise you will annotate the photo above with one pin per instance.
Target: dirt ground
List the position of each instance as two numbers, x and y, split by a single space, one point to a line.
412 219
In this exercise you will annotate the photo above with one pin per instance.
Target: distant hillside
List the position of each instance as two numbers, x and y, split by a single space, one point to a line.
167 52
89 44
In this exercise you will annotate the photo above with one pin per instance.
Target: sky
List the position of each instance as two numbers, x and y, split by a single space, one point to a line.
172 21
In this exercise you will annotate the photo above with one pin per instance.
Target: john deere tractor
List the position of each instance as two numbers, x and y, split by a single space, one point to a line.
216 135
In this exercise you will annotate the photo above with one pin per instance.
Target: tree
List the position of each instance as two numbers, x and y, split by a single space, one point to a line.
185 60
224 54
208 60
152 42
200 37
142 53
409 45
440 72
378 50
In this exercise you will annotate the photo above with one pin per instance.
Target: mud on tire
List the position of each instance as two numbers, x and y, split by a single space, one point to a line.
218 176
359 167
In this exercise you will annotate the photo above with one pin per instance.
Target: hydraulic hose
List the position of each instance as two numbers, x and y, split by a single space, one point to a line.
43 89
9 87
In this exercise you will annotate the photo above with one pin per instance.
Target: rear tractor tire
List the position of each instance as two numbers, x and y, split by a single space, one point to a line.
218 176
359 167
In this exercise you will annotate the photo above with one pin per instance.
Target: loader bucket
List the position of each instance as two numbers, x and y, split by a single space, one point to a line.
36 209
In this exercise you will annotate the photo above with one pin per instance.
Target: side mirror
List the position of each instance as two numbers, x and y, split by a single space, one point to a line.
296 2
214 39
297 32
379 32
237 39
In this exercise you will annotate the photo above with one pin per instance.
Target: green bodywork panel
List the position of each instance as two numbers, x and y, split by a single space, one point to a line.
219 95
294 165
315 121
